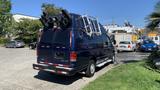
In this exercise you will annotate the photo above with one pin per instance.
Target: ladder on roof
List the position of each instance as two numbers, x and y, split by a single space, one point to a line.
91 25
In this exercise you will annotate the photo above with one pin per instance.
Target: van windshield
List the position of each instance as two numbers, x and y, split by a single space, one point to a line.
55 36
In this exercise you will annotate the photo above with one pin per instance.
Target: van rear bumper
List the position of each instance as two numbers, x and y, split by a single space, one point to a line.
55 69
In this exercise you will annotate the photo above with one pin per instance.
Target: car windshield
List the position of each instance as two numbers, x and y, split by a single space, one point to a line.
20 41
11 42
124 42
147 42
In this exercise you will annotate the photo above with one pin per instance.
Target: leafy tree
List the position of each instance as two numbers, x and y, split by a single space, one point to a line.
154 17
48 12
5 17
54 16
27 29
50 9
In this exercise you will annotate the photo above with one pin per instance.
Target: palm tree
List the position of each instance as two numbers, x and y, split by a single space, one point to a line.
154 18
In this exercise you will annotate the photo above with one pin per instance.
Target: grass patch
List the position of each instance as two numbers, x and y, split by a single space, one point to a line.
132 76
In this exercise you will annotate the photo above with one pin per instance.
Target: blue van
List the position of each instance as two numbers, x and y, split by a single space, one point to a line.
81 44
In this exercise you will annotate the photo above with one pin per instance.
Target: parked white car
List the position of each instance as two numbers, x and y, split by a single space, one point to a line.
126 46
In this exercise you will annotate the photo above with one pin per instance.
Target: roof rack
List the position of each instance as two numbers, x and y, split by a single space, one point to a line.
92 24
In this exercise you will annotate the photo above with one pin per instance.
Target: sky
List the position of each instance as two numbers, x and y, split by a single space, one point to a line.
107 11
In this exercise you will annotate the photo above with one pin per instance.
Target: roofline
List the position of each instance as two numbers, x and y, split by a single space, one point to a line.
25 15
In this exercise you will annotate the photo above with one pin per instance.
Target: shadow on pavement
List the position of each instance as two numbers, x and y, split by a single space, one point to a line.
60 79
50 77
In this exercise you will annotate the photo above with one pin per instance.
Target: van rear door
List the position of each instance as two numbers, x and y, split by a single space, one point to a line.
54 47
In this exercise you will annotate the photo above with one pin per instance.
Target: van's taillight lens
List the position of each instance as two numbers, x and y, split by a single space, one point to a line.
129 46
73 56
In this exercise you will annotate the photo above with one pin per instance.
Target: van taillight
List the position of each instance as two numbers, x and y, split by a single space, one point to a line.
73 56
129 46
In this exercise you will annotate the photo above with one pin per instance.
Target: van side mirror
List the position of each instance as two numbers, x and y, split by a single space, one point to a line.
114 42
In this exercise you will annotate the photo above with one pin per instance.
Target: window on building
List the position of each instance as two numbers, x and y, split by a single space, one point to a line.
156 38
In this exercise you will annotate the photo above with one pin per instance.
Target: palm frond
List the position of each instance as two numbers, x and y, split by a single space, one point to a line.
154 20
157 7
153 24
154 15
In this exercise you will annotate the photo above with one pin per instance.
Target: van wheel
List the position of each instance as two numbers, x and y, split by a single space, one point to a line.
91 69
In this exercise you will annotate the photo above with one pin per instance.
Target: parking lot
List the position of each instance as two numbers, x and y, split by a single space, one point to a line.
16 71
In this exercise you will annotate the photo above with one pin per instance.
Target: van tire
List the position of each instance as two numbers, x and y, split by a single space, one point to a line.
91 69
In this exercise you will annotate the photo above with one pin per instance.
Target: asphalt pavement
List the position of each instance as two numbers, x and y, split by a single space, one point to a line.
16 71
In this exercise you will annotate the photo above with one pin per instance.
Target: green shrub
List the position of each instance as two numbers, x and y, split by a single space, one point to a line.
3 40
152 59
27 40
154 55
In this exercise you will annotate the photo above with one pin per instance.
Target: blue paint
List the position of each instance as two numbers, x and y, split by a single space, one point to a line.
73 34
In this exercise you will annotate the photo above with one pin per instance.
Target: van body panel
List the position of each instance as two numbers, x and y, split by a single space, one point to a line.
56 46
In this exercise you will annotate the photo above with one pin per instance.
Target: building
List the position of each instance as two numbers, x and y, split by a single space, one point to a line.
113 28
120 33
17 17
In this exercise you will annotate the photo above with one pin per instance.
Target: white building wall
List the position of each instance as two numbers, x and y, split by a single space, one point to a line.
17 17
112 28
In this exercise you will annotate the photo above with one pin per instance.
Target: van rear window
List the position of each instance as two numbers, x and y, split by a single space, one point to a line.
57 36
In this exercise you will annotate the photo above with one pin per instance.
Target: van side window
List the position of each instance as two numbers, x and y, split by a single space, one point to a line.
97 26
106 40
109 41
80 24
80 27
91 25
87 24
